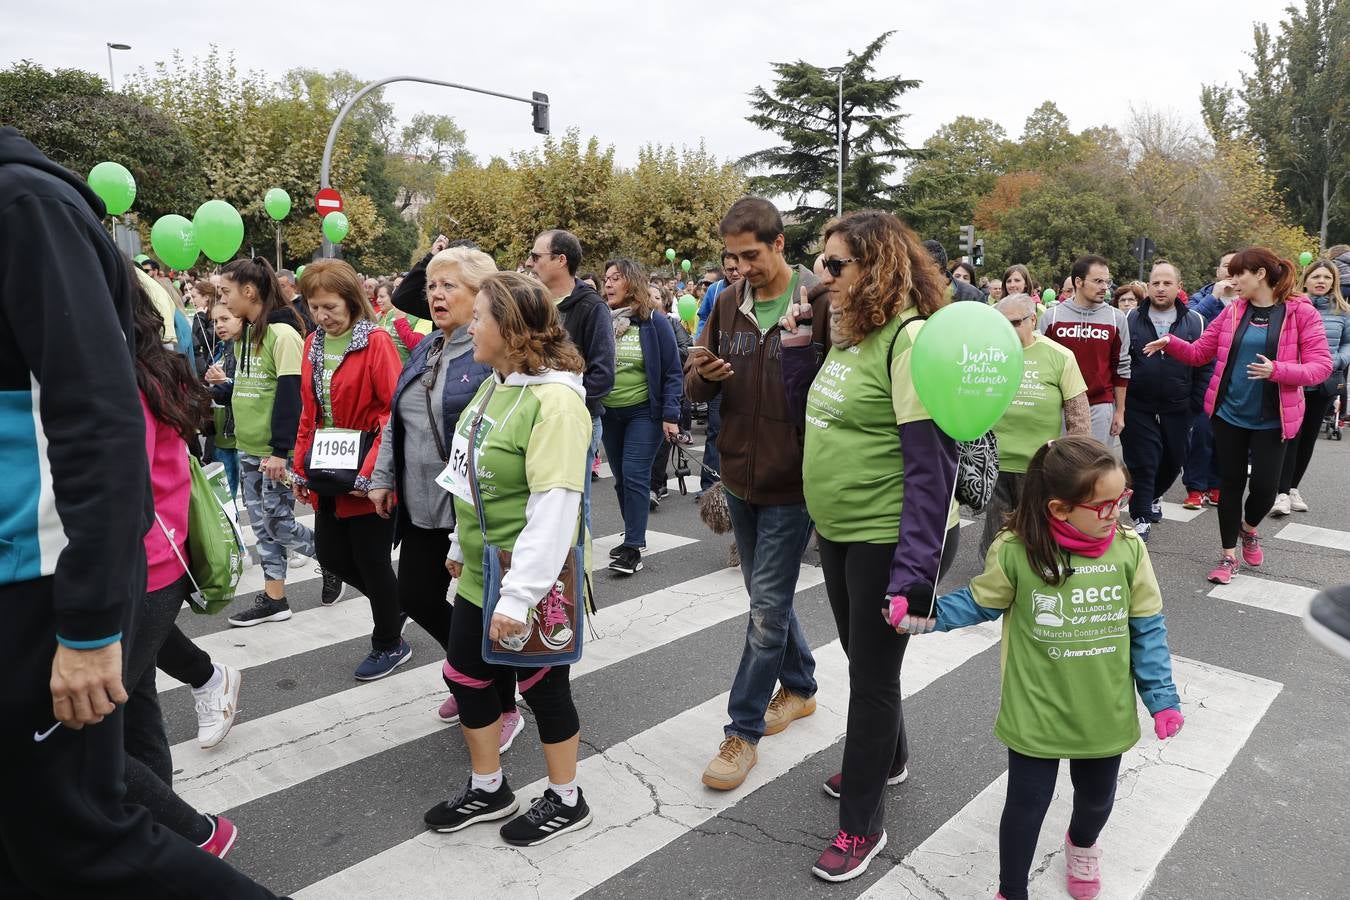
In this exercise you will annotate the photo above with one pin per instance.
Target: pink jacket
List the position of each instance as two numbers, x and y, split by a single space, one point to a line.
170 484
1301 360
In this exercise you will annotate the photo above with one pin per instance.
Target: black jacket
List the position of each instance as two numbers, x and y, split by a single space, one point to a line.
1160 383
411 293
66 297
588 322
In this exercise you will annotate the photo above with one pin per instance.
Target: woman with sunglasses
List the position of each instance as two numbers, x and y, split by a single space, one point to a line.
887 521
436 383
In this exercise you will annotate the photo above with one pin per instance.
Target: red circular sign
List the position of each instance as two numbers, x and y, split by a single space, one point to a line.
326 201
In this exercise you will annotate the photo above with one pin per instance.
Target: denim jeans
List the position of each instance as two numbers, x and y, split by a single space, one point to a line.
586 487
771 540
229 458
1202 469
271 513
631 439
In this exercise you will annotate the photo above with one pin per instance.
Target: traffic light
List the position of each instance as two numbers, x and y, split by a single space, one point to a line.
977 255
540 112
967 240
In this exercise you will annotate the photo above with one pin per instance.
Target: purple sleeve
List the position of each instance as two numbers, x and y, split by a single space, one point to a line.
930 475
799 366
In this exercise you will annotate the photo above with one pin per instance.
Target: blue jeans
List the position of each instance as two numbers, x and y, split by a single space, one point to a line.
632 438
271 513
771 540
586 488
229 458
711 458
1202 470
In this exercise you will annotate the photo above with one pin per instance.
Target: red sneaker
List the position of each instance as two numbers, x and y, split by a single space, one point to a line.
1194 500
1223 573
848 856
1214 497
1252 554
222 837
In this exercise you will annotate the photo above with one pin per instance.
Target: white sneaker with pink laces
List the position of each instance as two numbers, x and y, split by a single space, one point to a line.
1083 869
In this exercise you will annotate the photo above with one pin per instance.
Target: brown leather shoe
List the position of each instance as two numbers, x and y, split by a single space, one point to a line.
783 708
734 760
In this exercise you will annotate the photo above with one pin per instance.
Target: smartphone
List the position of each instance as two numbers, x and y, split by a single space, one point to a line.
696 349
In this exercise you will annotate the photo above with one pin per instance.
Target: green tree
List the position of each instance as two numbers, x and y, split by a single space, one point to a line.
72 117
802 108
961 163
428 147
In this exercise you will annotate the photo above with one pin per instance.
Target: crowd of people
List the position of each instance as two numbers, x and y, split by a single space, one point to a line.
458 411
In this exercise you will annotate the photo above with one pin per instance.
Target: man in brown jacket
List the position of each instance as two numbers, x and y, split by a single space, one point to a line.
737 358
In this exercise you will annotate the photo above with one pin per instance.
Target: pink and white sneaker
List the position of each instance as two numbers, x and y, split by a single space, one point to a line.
1252 554
222 837
512 725
1223 573
449 711
1082 867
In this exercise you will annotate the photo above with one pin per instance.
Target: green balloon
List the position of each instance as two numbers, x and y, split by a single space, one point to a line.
299 273
277 203
175 241
1304 258
686 265
336 226
114 185
688 307
1048 295
219 230
967 367
670 254
141 258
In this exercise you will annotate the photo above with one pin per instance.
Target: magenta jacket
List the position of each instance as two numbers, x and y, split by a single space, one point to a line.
1302 358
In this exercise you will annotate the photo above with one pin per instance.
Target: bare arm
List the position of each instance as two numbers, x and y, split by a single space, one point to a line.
1077 416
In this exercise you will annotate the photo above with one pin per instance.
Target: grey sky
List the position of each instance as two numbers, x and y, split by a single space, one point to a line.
679 73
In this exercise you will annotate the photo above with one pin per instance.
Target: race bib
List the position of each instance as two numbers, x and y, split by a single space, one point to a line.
455 476
336 448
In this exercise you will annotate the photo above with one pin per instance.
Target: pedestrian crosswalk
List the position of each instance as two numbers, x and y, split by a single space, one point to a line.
652 694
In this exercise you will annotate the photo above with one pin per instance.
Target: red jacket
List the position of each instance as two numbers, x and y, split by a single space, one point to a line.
362 392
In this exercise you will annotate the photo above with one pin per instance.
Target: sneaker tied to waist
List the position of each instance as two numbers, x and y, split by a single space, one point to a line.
217 707
380 663
848 856
512 724
735 758
1252 554
1223 573
1296 501
1082 866
223 835
1194 500
834 785
784 708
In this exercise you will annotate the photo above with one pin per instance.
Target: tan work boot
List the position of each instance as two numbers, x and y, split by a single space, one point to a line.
734 760
783 708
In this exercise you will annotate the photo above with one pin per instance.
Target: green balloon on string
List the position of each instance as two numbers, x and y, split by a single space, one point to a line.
688 307
1048 296
686 265
175 241
966 367
219 230
336 227
277 203
114 185
299 273
670 254
1304 258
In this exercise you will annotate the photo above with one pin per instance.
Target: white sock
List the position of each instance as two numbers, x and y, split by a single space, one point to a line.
566 792
215 681
489 782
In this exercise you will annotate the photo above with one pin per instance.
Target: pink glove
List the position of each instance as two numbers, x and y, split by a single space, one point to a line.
898 617
1167 723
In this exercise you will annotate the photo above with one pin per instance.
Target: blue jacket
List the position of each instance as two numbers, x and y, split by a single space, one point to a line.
665 379
1161 383
1337 325
705 308
1206 304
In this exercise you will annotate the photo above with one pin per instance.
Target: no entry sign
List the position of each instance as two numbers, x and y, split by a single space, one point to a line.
326 201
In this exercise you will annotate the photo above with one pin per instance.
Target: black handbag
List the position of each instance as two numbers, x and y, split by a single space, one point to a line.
337 482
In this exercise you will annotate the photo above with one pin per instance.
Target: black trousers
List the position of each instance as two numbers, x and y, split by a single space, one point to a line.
357 550
184 660
1300 450
423 589
1234 447
856 577
1031 786
1153 446
473 682
66 828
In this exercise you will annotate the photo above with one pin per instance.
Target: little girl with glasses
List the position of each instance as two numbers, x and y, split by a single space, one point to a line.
1082 625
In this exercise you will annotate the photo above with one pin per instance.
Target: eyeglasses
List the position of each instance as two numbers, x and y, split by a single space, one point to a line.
535 257
1105 510
612 277
1015 322
836 266
706 284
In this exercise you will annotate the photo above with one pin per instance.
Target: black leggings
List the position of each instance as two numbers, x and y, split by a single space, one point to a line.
357 550
1233 447
424 582
472 681
1031 785
856 577
184 660
1300 450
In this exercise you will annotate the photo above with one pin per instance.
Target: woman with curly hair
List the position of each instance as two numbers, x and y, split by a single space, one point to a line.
887 521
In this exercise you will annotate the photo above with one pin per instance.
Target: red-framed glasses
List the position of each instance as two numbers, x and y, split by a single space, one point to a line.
1104 510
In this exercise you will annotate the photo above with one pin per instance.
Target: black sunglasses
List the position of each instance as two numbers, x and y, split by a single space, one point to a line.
836 266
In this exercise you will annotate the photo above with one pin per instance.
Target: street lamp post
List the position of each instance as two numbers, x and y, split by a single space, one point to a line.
112 81
838 73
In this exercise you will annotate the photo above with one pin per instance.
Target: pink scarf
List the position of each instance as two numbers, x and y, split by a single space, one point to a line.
1076 541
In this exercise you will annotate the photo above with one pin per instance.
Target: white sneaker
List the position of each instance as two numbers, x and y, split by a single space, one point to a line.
1282 505
1296 501
217 708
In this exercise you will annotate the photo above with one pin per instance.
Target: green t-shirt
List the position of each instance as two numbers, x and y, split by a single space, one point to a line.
222 440
630 375
255 384
334 346
768 312
421 326
533 438
1068 689
1036 414
853 475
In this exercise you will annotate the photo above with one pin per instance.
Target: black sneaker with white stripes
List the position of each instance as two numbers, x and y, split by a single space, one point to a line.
472 805
546 819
